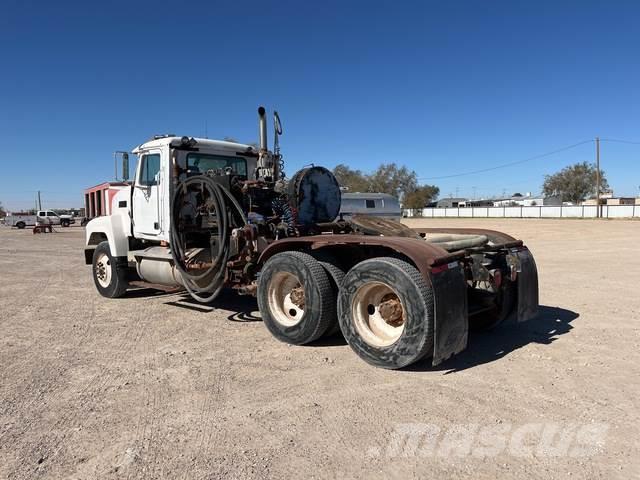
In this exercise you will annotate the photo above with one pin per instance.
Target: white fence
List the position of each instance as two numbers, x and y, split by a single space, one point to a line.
578 211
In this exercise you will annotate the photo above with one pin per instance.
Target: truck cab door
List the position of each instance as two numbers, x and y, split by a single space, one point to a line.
146 198
53 218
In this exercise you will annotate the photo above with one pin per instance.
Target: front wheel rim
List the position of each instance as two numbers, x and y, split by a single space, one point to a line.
286 297
103 270
378 314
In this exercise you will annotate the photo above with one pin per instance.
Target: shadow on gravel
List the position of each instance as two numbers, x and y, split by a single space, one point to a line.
485 347
336 340
146 293
244 308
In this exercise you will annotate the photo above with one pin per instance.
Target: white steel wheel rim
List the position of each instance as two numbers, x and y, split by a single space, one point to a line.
370 308
103 270
285 310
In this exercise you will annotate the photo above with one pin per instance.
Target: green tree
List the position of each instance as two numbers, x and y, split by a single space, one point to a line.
394 180
354 180
388 178
574 183
421 196
2 211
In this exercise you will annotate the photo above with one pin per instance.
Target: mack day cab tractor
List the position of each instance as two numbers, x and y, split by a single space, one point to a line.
206 215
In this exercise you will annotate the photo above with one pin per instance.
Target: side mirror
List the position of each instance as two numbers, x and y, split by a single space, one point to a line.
125 166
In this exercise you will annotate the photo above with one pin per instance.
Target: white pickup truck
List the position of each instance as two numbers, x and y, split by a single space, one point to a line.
42 217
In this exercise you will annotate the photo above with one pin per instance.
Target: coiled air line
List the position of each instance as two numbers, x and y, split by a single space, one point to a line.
224 204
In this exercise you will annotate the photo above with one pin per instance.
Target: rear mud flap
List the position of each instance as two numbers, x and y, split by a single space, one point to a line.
450 313
527 286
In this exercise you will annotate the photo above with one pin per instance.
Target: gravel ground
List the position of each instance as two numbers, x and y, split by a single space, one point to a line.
146 387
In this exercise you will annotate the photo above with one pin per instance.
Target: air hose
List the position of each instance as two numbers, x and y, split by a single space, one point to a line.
282 208
226 207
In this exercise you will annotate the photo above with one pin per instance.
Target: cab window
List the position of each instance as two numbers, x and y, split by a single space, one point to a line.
149 168
198 163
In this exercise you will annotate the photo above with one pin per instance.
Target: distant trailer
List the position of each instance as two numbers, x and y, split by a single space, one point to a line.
98 199
377 204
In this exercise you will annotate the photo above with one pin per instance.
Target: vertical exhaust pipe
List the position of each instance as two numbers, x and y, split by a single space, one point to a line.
262 128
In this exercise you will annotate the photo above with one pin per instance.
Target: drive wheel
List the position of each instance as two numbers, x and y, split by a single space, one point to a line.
336 274
385 309
295 298
20 225
108 276
64 223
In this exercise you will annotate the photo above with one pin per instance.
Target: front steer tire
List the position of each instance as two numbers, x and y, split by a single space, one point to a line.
289 314
372 289
109 276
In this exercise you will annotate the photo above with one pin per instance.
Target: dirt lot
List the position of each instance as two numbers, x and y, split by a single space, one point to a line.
142 387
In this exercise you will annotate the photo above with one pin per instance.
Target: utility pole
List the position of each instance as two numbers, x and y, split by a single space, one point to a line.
39 202
598 214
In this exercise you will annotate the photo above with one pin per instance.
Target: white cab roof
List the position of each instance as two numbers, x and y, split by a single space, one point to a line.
201 142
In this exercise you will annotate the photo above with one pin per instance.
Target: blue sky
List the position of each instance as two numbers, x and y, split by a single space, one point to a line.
442 87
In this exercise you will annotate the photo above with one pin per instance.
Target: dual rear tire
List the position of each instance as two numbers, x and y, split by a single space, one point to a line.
385 309
383 306
295 297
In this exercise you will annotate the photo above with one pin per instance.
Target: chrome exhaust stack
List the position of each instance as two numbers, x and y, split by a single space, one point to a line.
262 129
266 170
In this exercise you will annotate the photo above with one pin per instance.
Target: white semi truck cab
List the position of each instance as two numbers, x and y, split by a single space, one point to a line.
141 213
203 215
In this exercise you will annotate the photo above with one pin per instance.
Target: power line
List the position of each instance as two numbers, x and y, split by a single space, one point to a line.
536 157
619 141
